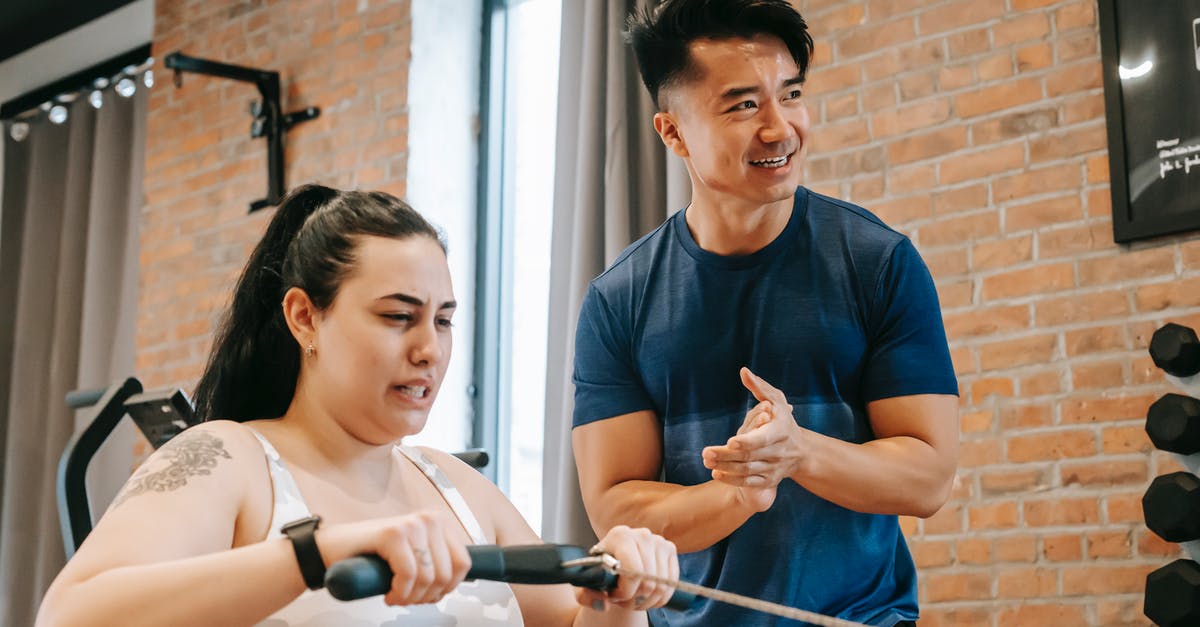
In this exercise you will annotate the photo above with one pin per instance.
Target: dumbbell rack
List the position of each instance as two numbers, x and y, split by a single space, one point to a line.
1171 505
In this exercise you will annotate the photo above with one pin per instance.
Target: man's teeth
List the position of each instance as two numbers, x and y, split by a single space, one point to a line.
415 391
776 162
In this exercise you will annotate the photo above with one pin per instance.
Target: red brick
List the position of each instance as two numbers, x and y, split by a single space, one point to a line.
1026 583
1041 383
986 321
1096 579
958 229
1050 614
1115 440
1075 15
1107 473
1079 411
974 422
1058 512
958 587
982 164
1002 253
1039 181
1015 549
1086 307
1012 481
960 199
931 553
1002 515
874 37
1075 240
926 145
968 43
905 119
996 98
1167 295
1101 544
1068 144
1143 264
973 551
1034 57
1106 375
1021 29
1037 280
1017 352
1095 340
1062 547
1042 213
994 67
954 15
1051 446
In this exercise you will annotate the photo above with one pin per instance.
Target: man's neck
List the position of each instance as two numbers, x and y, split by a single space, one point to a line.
733 228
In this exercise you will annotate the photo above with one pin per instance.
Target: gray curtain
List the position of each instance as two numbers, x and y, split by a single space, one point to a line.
68 281
614 182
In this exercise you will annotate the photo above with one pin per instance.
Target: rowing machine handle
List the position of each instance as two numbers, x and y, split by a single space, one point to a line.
369 575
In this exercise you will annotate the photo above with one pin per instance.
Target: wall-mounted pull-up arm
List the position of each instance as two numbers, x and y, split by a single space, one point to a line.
269 121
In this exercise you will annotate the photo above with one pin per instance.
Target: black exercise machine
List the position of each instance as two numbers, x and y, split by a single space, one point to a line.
162 414
159 414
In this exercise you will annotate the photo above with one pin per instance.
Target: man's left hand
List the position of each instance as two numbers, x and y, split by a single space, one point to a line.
766 449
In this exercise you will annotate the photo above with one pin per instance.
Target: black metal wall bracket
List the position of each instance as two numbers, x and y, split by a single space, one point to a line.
269 120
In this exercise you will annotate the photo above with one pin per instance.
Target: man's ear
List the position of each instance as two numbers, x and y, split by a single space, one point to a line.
668 129
301 316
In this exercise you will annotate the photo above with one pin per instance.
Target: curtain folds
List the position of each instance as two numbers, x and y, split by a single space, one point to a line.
68 281
614 182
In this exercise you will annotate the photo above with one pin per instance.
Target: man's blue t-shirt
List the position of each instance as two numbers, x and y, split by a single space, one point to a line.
839 310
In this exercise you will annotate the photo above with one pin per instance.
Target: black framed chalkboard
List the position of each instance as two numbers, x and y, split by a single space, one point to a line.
1151 57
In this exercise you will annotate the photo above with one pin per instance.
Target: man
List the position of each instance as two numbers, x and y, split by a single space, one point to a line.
764 379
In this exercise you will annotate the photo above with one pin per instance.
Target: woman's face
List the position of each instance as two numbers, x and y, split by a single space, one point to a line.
382 347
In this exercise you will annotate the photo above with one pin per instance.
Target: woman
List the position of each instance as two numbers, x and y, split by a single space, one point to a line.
333 349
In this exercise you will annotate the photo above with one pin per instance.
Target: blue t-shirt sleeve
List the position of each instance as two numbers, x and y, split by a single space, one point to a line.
606 382
907 352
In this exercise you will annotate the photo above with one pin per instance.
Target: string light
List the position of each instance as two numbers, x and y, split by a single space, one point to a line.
57 110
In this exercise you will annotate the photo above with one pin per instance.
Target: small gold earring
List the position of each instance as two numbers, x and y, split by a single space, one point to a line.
310 350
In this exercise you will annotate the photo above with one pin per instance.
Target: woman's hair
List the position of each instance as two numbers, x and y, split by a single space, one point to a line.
310 243
660 35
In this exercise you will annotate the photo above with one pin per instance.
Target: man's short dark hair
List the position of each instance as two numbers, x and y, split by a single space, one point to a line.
661 35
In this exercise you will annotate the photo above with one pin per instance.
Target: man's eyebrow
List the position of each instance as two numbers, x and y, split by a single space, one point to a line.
417 302
738 92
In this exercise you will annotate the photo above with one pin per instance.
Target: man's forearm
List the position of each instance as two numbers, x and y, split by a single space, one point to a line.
693 517
898 475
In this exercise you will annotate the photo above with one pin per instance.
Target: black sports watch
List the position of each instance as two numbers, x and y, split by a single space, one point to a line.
304 543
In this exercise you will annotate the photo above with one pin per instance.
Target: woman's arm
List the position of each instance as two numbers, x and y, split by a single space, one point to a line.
162 553
563 605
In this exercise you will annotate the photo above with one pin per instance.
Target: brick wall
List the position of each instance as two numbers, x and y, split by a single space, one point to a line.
974 126
977 128
348 57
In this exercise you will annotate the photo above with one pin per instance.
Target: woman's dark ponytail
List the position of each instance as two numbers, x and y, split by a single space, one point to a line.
252 369
310 244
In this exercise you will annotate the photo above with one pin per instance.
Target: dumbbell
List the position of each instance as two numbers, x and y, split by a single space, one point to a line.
1176 349
1173 594
1173 424
1171 507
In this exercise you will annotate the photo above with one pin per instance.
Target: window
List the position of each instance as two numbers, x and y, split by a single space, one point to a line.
521 101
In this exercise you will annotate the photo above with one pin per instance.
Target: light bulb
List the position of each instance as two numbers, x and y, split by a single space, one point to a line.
126 87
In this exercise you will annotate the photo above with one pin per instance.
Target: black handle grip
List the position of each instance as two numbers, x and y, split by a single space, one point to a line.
369 575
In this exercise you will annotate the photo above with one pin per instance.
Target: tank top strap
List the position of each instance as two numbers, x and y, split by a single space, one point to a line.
288 504
451 494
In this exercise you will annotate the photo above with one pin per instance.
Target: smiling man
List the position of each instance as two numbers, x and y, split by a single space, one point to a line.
764 379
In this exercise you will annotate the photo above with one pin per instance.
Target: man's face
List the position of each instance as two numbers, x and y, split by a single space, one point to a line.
738 122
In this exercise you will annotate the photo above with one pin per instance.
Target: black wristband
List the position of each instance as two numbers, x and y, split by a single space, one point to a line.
304 543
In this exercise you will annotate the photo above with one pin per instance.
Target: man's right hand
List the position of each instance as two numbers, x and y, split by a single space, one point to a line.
758 499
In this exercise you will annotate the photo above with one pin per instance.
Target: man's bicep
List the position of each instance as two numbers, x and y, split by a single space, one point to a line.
614 450
931 418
